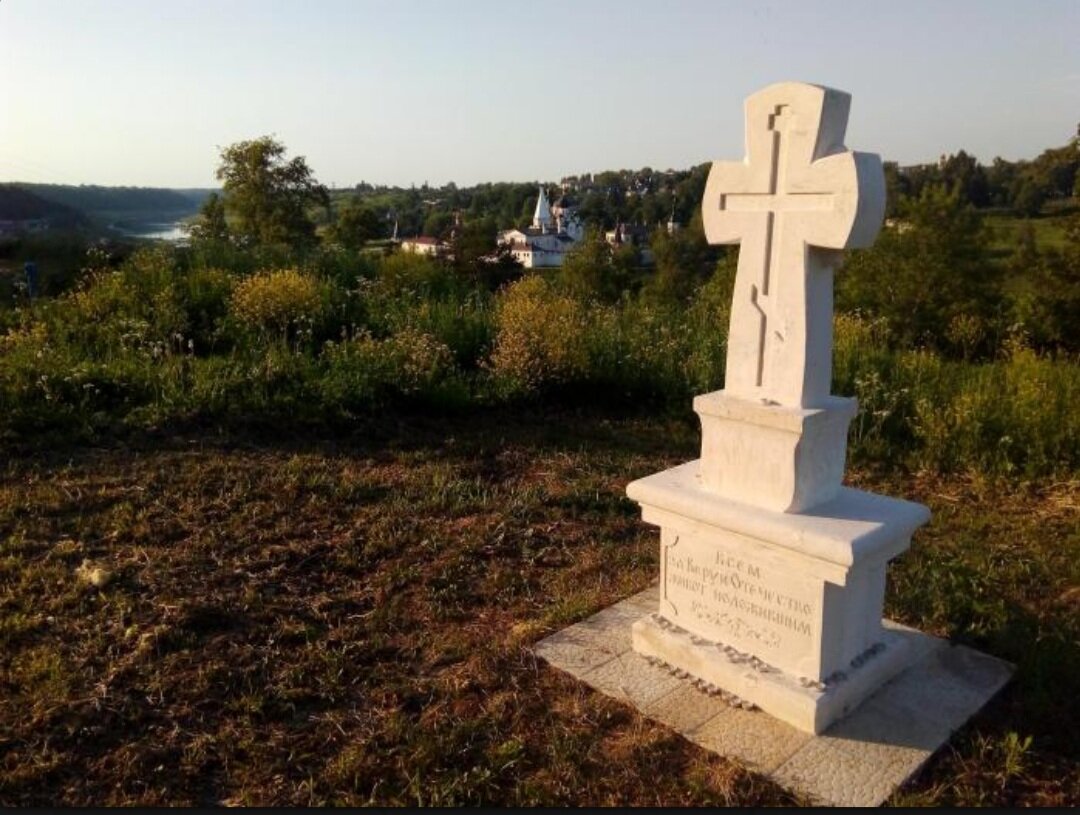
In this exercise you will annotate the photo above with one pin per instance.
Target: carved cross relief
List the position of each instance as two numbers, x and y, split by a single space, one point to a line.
797 197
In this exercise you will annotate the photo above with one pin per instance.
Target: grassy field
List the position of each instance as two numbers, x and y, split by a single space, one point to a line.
203 618
1049 228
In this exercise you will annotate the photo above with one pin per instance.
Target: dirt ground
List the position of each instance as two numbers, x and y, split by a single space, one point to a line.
199 618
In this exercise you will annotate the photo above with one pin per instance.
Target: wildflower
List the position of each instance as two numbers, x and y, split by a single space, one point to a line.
275 300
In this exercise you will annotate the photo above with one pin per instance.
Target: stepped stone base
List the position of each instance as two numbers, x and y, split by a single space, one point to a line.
801 593
858 761
806 705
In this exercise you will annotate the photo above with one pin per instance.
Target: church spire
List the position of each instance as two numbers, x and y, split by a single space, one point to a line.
542 216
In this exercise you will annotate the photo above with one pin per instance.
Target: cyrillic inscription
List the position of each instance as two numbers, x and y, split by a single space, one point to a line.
736 600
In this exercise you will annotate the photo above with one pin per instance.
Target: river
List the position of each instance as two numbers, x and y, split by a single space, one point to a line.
169 231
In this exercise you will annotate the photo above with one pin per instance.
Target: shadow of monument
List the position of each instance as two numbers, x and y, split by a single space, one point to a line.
920 708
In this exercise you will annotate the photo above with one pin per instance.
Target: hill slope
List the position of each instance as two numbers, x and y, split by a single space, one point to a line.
20 204
108 203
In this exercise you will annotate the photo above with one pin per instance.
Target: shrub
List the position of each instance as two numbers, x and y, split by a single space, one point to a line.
464 322
334 263
277 301
590 271
48 385
204 293
363 370
145 342
274 383
540 337
920 278
410 272
1004 418
135 306
709 318
636 351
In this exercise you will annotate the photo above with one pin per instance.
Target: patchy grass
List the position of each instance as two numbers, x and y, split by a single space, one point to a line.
1049 229
201 619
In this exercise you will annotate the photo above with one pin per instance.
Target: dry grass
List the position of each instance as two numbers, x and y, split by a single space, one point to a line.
200 619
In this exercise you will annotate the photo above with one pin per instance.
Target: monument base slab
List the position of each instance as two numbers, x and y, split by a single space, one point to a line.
861 760
745 680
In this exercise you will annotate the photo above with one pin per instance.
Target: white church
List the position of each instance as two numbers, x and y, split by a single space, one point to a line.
554 231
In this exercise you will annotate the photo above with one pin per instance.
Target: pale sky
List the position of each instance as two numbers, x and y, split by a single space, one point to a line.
144 92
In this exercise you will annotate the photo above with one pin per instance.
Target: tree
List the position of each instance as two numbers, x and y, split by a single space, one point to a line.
1056 169
963 173
588 271
1048 303
437 224
471 241
478 259
355 226
1029 198
921 278
896 188
210 226
683 262
1001 181
268 196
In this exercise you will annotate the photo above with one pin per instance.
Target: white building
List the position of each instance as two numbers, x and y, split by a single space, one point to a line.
424 245
553 233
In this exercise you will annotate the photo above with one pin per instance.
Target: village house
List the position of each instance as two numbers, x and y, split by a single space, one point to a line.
635 235
425 245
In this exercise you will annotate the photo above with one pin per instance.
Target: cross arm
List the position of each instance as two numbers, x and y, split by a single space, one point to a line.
726 226
858 183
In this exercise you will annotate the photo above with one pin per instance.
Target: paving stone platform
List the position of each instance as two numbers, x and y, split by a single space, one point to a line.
860 761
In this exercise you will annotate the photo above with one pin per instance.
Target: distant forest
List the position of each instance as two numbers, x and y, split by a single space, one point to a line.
645 196
19 204
66 205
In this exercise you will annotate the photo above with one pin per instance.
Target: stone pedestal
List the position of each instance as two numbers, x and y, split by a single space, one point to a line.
779 609
769 455
772 574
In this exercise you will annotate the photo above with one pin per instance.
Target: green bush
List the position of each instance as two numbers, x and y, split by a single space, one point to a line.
636 350
165 337
409 272
1010 416
204 294
540 337
1014 417
924 273
362 371
279 302
47 385
463 321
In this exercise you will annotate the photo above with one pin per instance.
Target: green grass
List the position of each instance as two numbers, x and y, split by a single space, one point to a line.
1007 228
315 619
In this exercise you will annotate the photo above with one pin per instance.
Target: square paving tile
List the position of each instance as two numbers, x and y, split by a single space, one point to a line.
685 708
630 678
758 740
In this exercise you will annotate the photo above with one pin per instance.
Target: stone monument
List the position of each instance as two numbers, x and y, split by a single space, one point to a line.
772 574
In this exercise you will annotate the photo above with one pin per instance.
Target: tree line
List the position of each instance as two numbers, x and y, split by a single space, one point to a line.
1022 187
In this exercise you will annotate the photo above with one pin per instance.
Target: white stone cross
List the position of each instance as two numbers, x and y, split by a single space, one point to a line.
797 197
